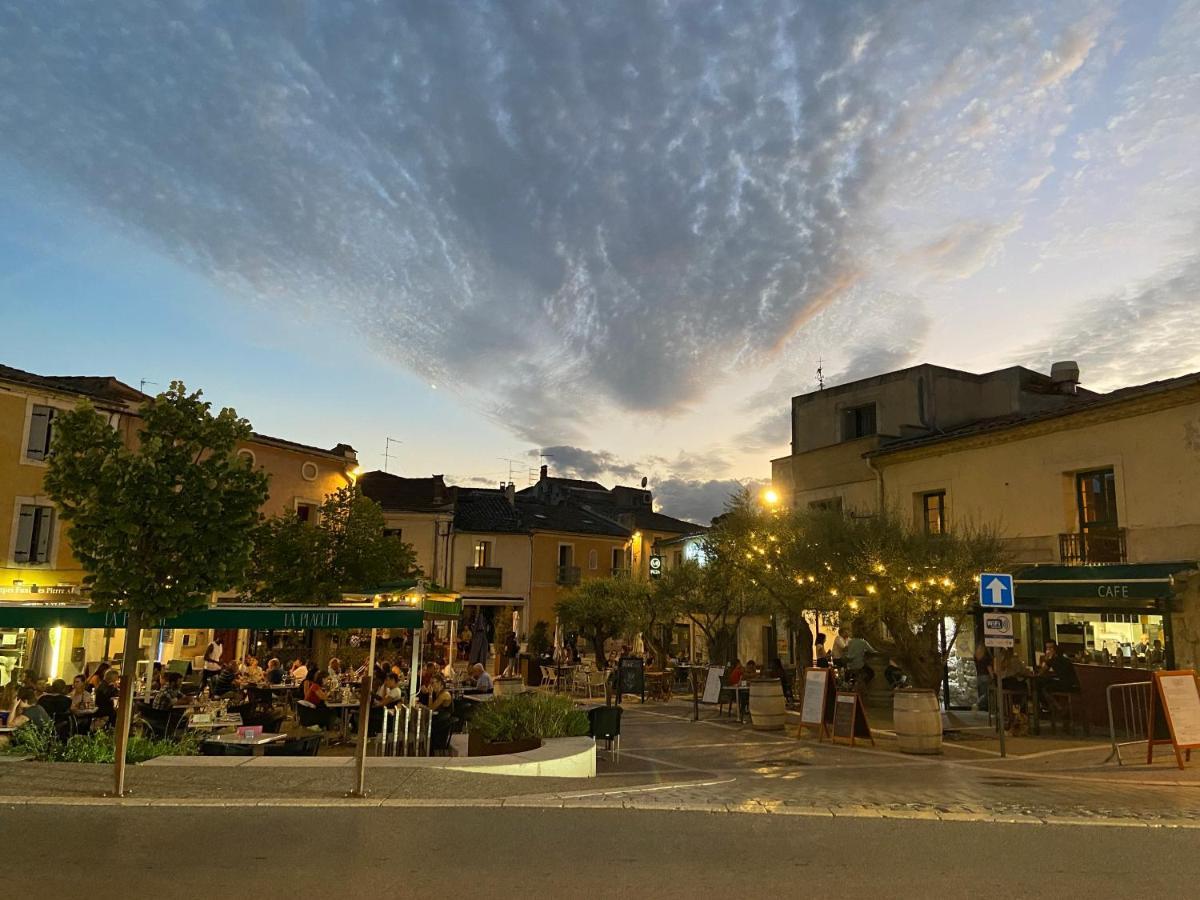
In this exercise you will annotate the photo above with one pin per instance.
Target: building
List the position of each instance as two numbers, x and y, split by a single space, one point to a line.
37 563
1093 492
491 556
420 512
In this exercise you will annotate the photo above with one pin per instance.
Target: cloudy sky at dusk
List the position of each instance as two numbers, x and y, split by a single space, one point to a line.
619 234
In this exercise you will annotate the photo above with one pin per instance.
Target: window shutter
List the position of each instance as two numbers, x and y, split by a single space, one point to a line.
45 528
24 534
39 433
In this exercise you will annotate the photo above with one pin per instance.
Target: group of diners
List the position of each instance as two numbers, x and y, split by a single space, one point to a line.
89 702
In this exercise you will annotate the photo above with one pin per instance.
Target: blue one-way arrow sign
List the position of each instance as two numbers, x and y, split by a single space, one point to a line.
996 590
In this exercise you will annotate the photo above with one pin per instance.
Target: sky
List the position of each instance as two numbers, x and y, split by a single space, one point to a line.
613 238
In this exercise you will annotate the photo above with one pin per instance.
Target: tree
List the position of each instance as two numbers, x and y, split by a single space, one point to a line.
599 610
344 550
159 527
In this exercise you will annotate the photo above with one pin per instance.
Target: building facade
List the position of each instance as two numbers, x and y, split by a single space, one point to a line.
1093 493
37 563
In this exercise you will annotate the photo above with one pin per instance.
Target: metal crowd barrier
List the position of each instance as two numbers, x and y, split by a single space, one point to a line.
407 731
1128 715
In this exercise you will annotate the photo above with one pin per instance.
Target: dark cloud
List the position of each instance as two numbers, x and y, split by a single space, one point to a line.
526 199
696 500
1148 332
576 462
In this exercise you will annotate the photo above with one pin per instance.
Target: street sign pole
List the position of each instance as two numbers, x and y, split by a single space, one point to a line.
999 707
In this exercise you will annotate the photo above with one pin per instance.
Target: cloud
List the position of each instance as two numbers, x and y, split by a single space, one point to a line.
1065 60
966 248
1147 332
699 501
576 462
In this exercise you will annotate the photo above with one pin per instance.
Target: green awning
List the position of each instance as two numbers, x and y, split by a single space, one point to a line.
38 615
1117 586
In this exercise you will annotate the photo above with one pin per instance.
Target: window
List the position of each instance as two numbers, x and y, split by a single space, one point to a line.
593 560
829 504
309 471
35 527
483 554
676 559
306 512
397 533
858 421
41 432
1097 495
566 555
618 558
933 512
247 454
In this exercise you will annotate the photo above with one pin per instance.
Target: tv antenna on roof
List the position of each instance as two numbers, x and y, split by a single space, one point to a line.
387 451
145 381
820 374
511 463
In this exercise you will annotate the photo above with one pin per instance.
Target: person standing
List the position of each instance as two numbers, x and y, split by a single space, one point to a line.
212 660
511 651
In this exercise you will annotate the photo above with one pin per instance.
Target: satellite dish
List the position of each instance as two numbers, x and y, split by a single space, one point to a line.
643 481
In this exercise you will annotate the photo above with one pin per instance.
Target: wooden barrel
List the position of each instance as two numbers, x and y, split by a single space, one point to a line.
767 708
917 719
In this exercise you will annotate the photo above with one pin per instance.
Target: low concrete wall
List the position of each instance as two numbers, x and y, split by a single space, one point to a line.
556 758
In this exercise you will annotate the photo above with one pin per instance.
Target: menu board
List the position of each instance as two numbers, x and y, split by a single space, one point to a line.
850 718
1182 702
712 685
631 676
813 710
1174 714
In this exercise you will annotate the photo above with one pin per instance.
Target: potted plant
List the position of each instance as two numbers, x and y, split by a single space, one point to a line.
517 723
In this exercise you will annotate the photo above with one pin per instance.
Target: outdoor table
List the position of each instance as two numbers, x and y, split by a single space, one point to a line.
738 689
257 745
345 706
214 724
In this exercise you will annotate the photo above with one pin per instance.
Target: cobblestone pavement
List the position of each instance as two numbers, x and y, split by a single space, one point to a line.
668 762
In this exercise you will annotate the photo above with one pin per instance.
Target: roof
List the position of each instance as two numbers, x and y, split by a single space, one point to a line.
648 520
572 484
96 387
488 510
413 494
341 452
567 516
1017 420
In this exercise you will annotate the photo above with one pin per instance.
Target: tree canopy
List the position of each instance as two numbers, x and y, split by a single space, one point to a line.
344 550
157 527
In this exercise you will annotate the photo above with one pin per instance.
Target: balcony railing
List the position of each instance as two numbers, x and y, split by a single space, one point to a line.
484 576
1092 547
568 575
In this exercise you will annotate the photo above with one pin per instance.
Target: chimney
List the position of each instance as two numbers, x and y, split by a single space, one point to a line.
1065 376
542 473
510 494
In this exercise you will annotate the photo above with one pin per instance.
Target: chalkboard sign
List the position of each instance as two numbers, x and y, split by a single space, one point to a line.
1174 714
850 718
816 711
712 685
631 677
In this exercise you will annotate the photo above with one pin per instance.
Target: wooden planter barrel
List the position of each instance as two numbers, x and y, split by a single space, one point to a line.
767 708
917 719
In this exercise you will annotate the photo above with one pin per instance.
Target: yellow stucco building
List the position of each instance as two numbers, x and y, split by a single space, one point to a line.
37 563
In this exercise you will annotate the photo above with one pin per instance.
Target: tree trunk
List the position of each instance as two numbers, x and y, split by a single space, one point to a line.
804 642
129 661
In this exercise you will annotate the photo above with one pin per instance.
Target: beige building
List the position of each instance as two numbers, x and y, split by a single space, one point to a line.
420 512
1094 492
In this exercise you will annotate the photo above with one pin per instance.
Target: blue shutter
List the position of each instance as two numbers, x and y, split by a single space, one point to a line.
24 534
38 445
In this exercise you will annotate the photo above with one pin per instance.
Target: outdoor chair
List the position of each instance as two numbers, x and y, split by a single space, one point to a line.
1071 703
549 677
597 680
605 725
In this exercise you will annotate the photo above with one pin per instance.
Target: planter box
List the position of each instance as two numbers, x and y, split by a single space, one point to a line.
476 746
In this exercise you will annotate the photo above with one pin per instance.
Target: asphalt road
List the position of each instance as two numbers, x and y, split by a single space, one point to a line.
99 852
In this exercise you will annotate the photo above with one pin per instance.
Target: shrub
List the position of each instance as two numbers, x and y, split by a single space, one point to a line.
530 715
43 745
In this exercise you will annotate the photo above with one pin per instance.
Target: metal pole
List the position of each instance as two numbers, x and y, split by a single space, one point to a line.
1000 708
366 692
414 673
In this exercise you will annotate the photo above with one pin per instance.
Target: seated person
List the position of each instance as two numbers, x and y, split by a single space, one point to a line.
55 701
821 652
252 672
106 696
81 700
441 705
894 675
389 693
225 681
170 694
480 678
735 673
26 711
751 670
299 671
156 679
274 672
1057 674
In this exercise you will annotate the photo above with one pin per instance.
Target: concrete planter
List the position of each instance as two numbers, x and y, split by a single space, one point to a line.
476 746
